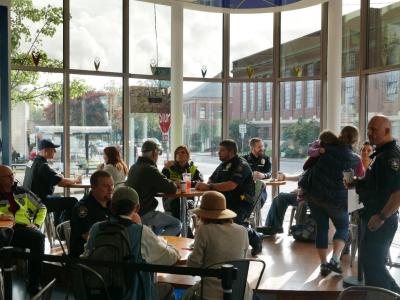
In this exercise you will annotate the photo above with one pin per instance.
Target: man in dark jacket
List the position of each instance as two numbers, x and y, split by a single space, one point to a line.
148 181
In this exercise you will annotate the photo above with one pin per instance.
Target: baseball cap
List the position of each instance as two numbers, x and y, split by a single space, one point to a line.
45 143
151 145
123 194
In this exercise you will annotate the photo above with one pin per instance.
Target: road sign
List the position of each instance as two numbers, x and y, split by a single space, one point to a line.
165 137
242 128
165 122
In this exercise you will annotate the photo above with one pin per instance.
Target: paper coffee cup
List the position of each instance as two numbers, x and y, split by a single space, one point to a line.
348 176
183 186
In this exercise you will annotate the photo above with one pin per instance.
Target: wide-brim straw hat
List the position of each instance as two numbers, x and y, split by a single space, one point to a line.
213 206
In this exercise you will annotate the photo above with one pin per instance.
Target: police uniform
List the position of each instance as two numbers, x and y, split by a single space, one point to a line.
260 164
85 213
381 180
239 200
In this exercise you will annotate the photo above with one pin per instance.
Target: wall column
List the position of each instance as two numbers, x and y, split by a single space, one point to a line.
334 66
176 75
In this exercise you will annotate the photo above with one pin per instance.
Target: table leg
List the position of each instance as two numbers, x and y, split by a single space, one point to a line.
183 205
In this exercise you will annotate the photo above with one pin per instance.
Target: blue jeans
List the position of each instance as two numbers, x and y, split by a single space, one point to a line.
374 250
322 212
278 208
162 223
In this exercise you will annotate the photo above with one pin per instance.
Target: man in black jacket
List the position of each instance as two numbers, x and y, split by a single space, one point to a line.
148 181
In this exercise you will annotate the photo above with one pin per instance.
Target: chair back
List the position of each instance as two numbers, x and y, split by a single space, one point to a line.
63 230
239 285
45 293
367 293
28 177
80 288
260 192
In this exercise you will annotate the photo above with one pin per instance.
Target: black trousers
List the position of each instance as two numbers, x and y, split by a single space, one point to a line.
33 239
61 207
243 213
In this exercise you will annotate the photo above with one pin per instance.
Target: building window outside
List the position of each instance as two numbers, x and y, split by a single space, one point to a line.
310 94
251 96
287 95
298 94
350 90
202 113
244 97
392 86
310 69
268 96
259 96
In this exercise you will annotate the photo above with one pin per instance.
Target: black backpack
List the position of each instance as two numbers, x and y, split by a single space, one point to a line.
112 244
304 232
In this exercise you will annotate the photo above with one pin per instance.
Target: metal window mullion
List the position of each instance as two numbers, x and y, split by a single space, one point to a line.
324 62
125 79
225 74
66 89
276 98
363 65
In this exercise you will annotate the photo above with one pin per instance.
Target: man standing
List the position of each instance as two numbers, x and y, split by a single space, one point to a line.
148 181
259 163
28 213
93 208
379 191
233 178
41 179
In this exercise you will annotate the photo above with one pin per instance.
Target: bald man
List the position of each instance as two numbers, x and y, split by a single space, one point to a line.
28 213
379 191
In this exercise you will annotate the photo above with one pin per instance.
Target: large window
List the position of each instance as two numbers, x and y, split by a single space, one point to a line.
300 42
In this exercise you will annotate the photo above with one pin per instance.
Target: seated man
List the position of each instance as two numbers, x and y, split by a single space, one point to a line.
28 213
233 178
148 181
94 207
279 205
41 178
147 247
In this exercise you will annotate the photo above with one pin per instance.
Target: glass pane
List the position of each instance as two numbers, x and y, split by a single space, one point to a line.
299 127
300 42
150 100
351 35
96 122
350 99
36 113
202 44
36 33
383 98
251 43
384 33
202 110
150 38
96 35
258 122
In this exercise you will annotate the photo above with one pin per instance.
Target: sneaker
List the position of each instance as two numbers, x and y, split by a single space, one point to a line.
324 269
335 266
267 230
257 248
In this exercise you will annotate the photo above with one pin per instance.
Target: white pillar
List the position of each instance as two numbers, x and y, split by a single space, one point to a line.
176 75
334 65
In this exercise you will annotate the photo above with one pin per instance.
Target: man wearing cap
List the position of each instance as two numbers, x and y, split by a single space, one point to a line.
233 178
41 179
148 181
146 246
94 207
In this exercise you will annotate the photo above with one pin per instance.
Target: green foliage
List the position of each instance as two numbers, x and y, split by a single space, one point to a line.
297 136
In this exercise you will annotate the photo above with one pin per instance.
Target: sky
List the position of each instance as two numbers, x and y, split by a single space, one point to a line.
96 32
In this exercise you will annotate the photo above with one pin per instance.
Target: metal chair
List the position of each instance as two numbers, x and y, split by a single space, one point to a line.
80 287
367 293
255 217
239 286
64 230
45 293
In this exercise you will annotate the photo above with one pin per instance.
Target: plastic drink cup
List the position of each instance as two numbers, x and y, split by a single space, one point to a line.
348 176
183 186
188 178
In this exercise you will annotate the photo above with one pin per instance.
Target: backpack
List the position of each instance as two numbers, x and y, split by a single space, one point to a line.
304 232
112 244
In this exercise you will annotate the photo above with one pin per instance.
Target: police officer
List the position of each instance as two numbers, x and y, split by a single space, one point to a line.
259 163
93 208
379 191
233 178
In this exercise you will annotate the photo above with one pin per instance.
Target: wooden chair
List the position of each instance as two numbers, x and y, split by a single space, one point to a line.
367 293
45 293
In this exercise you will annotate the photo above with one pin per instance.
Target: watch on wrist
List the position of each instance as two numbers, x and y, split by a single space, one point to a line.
382 216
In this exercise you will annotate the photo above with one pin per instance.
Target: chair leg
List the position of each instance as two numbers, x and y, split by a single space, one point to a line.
50 231
354 243
293 212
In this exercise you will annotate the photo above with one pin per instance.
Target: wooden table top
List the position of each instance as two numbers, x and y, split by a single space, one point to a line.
79 186
273 182
182 244
193 193
6 224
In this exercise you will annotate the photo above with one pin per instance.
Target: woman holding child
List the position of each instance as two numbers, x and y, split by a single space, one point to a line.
327 196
